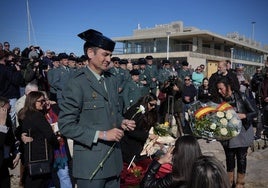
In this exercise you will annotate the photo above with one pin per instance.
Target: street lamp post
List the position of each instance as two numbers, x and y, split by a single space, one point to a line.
253 24
232 56
168 33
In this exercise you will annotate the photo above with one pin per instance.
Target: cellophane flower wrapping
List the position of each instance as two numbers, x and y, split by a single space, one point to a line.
214 121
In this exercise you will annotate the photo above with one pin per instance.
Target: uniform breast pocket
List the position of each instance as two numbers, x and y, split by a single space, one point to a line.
94 105
93 111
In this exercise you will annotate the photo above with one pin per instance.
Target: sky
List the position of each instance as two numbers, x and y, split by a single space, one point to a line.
56 23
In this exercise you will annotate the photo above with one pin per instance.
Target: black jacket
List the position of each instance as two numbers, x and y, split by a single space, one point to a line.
10 81
40 130
150 181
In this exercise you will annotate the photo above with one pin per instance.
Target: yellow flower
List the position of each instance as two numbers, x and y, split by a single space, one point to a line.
224 131
166 123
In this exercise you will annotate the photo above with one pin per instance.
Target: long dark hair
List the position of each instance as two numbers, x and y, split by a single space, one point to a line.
185 153
29 105
150 116
208 172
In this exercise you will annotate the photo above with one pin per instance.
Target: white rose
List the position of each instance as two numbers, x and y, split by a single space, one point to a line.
224 131
220 114
213 126
234 133
234 121
229 115
224 121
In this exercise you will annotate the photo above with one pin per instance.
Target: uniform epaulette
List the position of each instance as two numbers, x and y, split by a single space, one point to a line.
78 72
108 74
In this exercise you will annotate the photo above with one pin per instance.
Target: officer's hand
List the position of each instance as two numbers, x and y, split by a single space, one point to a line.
114 134
128 125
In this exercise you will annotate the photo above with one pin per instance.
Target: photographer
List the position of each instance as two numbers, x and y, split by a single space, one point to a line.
32 72
173 90
255 84
36 52
10 80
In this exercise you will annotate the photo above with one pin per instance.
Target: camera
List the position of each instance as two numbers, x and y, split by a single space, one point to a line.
172 80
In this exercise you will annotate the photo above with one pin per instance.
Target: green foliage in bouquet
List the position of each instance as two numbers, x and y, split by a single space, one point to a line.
162 129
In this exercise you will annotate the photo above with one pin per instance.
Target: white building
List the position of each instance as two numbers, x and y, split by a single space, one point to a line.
175 42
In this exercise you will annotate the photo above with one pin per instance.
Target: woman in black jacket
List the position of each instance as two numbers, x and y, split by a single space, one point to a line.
184 154
34 123
237 147
133 141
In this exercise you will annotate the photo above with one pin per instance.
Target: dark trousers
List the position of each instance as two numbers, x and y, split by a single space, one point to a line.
4 176
238 154
41 181
112 182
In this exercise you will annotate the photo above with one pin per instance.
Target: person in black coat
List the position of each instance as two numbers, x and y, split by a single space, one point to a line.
132 142
9 153
34 123
203 92
222 73
183 156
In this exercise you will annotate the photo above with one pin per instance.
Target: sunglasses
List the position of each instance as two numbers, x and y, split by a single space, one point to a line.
41 101
152 104
186 79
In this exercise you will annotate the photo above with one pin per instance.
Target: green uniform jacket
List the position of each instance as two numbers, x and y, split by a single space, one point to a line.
86 108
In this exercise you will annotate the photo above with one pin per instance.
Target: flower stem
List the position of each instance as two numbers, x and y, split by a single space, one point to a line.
102 161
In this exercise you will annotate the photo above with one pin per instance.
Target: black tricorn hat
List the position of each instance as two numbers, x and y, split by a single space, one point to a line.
142 61
134 72
63 56
149 57
113 59
123 61
97 39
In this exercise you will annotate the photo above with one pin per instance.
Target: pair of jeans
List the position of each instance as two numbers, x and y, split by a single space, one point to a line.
64 177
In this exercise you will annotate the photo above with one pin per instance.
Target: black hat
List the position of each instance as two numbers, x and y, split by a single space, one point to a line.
134 72
184 63
55 58
97 39
113 59
63 56
142 61
123 61
83 58
135 63
165 61
149 57
71 58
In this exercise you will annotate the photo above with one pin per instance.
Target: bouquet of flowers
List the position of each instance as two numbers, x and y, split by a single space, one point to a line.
212 121
164 138
162 129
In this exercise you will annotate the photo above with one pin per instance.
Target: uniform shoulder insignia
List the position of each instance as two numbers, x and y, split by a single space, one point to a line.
108 74
78 73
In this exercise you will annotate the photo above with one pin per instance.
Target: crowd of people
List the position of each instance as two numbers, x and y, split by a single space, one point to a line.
48 98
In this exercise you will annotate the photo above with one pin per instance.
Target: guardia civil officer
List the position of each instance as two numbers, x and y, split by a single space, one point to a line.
90 116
